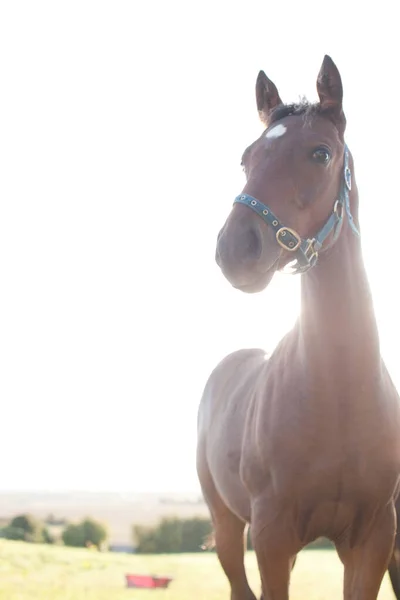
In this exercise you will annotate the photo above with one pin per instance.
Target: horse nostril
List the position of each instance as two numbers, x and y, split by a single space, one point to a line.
239 247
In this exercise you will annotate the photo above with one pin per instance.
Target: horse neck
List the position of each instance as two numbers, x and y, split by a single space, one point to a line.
337 322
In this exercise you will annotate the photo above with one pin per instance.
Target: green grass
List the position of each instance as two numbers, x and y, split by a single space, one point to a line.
32 572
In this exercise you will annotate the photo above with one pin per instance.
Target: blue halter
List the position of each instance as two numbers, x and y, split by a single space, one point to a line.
306 251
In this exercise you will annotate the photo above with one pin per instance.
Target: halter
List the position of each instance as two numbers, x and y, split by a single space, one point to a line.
306 251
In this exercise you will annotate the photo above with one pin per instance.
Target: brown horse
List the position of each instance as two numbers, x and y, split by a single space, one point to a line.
394 565
306 443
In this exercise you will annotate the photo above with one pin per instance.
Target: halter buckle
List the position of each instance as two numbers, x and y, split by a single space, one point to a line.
290 246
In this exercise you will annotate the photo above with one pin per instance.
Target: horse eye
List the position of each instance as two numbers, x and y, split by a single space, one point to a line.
322 156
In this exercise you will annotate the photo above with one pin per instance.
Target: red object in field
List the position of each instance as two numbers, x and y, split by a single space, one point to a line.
147 581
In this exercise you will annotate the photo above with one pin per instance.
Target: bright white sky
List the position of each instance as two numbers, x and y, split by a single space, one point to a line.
122 128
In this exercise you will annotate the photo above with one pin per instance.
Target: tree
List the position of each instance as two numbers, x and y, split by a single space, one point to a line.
73 535
32 528
94 532
172 535
27 523
195 533
28 529
145 539
87 532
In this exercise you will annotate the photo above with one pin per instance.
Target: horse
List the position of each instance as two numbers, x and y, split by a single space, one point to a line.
394 565
305 443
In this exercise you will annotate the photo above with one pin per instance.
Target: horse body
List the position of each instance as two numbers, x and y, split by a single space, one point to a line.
305 443
282 450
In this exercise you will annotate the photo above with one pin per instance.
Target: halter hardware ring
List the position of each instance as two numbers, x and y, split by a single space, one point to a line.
282 232
338 209
310 252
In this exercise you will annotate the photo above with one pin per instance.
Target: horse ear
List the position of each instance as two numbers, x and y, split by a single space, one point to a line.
329 88
267 97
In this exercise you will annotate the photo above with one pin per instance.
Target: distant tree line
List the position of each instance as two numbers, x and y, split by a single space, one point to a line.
174 535
171 535
26 528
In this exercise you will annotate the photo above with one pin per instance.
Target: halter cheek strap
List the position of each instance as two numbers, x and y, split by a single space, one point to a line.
306 250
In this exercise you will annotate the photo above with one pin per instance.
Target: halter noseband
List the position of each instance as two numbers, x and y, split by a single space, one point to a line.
306 251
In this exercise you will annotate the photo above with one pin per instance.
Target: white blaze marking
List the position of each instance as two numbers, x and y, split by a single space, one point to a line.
276 132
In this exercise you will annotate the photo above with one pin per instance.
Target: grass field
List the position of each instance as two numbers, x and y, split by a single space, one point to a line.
31 572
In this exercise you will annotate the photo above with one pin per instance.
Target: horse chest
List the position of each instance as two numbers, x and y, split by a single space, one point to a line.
295 451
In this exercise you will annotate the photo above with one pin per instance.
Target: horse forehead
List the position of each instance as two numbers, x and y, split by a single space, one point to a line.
300 126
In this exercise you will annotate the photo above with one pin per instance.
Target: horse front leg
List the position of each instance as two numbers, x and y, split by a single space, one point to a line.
276 551
365 562
292 567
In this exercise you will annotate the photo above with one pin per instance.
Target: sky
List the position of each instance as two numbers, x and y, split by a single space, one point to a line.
122 126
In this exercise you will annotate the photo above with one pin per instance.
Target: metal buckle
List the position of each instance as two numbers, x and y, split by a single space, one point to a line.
313 255
282 232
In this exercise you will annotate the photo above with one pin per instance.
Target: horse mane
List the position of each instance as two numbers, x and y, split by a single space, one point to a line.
304 107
